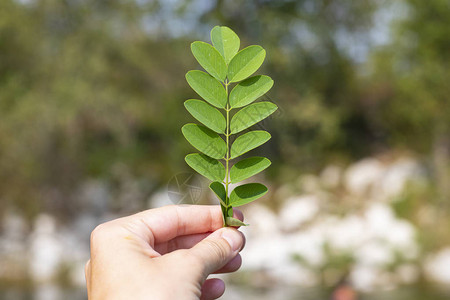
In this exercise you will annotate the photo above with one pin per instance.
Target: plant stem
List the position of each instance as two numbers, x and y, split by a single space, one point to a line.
227 159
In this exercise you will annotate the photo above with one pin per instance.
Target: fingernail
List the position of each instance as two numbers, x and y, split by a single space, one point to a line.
233 237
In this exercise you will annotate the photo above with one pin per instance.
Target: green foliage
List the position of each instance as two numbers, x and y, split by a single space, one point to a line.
207 166
245 63
247 193
247 168
225 41
206 114
248 141
226 65
250 115
208 88
249 90
205 140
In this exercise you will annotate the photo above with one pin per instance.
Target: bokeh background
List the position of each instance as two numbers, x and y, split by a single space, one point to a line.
91 106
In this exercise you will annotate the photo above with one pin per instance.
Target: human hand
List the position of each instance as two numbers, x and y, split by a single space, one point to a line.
163 253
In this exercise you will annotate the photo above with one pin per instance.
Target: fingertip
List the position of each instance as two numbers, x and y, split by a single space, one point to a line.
232 266
234 237
212 289
238 214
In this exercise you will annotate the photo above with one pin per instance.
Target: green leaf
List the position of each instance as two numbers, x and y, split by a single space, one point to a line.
206 166
249 90
247 168
207 87
248 141
205 140
227 212
251 115
225 41
206 114
245 63
219 190
235 222
247 193
210 59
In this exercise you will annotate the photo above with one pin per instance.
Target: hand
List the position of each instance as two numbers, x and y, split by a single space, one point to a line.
163 253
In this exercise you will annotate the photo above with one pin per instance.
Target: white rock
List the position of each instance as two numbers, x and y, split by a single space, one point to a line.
263 221
402 237
275 256
374 254
347 233
368 279
331 176
364 278
295 275
359 178
437 267
398 175
45 249
309 245
297 211
380 219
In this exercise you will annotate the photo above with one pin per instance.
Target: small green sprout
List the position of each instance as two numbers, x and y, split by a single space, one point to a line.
226 65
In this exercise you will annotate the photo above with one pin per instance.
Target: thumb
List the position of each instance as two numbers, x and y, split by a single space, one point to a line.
217 249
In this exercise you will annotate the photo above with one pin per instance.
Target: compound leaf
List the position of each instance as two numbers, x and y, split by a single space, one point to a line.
206 166
210 59
245 63
247 168
225 41
247 193
205 140
206 114
247 91
207 87
248 141
251 115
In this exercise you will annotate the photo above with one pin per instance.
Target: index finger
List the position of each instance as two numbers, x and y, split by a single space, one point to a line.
168 222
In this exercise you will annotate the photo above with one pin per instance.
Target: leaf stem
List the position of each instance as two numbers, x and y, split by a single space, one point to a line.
227 159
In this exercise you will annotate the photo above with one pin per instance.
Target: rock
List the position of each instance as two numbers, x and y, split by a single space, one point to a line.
437 266
368 279
397 175
331 176
374 254
45 249
380 218
298 210
263 221
345 234
359 178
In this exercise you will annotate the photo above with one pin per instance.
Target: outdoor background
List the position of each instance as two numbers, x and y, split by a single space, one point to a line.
91 106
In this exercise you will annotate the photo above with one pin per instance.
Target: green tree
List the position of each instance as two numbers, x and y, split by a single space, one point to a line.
411 84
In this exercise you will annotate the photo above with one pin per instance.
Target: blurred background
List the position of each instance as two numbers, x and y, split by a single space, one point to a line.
91 106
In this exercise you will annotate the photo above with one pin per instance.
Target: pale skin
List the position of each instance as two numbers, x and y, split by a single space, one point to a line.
163 253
